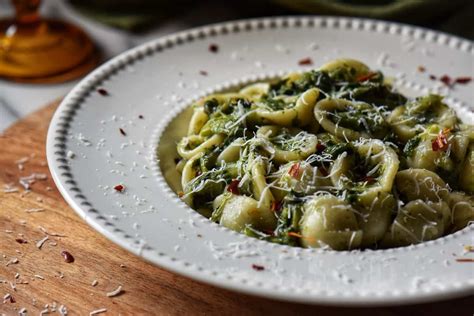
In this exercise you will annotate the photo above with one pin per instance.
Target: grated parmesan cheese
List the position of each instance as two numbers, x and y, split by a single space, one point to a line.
115 292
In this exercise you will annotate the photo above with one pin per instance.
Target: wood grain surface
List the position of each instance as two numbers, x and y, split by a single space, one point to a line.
40 279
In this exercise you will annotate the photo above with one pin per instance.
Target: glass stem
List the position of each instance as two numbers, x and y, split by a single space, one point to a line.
26 11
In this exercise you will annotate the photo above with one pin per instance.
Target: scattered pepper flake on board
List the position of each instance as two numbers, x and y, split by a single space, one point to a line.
68 258
119 188
21 241
258 267
103 92
203 73
305 62
465 260
234 187
213 48
433 77
141 117
122 132
8 297
421 69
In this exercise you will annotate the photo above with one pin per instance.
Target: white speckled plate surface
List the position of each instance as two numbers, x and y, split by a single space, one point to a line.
88 156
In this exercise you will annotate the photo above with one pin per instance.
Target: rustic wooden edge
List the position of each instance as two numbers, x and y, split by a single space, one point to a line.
146 289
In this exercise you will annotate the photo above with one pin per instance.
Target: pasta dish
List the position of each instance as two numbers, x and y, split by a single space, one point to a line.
332 158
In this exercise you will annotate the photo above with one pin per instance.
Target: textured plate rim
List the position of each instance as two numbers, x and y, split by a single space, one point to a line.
65 113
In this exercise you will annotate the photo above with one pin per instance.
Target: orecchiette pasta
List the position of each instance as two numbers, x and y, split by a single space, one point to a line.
466 176
410 119
330 221
306 181
354 67
350 120
462 210
371 168
289 144
192 145
241 211
329 158
288 111
375 216
421 184
416 222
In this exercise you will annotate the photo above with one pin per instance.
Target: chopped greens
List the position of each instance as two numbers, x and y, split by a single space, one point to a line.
309 160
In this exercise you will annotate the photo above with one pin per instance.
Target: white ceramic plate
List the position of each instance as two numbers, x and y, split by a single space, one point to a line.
88 156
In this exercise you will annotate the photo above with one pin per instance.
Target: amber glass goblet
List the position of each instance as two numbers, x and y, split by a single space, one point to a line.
39 50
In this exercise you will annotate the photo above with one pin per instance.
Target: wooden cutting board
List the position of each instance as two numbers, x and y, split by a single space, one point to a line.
32 278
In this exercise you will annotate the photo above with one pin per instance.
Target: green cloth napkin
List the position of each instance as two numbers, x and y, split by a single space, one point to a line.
453 16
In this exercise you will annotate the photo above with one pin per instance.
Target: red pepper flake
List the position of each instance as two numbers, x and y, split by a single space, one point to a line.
10 298
276 206
213 48
464 260
234 187
463 80
203 73
294 170
293 234
368 179
446 80
320 147
199 235
366 77
119 188
433 77
324 171
258 267
103 92
269 232
305 62
21 241
68 258
421 69
122 132
441 141
141 117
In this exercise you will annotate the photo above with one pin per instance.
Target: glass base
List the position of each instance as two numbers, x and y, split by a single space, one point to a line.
46 51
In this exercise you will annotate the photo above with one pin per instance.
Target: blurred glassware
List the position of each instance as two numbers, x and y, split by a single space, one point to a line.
39 50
